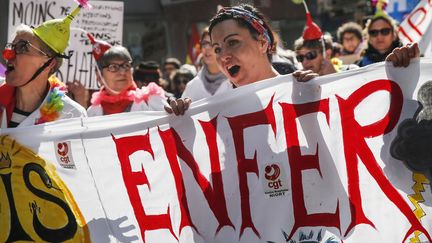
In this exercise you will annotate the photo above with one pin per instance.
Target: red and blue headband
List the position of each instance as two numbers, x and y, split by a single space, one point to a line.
251 19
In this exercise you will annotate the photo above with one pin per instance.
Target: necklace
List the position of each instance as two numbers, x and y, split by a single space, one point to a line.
50 110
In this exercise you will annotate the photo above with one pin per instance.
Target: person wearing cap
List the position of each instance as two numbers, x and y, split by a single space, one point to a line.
243 43
210 80
32 94
314 51
119 93
317 57
382 38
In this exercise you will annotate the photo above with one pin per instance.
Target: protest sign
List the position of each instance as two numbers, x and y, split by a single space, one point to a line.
399 9
416 27
104 21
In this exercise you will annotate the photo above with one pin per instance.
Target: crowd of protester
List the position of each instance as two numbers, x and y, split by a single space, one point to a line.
353 46
238 47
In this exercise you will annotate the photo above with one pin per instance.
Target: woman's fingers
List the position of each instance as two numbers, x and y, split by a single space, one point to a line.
187 102
304 75
168 109
401 57
405 57
178 106
414 50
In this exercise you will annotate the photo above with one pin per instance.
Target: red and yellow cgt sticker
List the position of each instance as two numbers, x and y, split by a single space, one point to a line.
35 205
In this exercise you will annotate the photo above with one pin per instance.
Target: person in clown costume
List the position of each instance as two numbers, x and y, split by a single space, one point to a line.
119 93
313 51
31 93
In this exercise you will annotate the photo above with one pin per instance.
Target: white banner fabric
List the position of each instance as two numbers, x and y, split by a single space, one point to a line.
274 161
417 27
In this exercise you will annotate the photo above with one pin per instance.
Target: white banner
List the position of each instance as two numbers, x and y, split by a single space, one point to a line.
417 27
104 21
274 161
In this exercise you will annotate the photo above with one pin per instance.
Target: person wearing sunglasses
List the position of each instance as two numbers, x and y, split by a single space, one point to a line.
317 62
312 55
315 59
119 92
382 38
31 93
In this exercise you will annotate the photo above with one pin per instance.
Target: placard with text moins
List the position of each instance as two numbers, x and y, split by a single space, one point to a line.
104 21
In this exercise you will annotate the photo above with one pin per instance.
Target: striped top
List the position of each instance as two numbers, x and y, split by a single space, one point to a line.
17 117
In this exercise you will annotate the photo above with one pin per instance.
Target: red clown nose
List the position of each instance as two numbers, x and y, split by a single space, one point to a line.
9 54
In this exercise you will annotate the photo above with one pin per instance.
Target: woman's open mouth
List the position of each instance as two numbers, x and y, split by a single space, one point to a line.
234 70
9 68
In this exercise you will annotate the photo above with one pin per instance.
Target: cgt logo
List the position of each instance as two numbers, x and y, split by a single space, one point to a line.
272 173
64 157
62 149
275 183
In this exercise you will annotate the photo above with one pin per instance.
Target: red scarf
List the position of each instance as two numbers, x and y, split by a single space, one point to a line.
113 104
7 99
114 108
